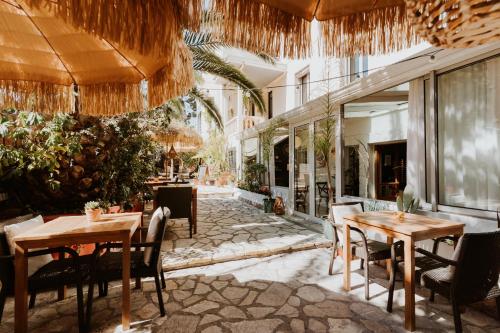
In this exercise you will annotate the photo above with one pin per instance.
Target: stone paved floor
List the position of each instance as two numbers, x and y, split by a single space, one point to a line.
229 229
283 293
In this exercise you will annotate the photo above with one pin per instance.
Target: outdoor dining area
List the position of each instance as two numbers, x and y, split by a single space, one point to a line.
100 166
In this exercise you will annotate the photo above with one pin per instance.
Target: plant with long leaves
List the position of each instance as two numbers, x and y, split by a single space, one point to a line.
324 142
204 47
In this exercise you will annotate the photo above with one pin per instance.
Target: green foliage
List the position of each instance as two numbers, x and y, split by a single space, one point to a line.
324 141
31 143
57 163
252 177
209 105
213 153
189 159
406 201
91 205
130 162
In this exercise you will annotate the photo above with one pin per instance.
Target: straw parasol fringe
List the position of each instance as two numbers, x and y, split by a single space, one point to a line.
36 96
150 27
109 99
378 31
258 27
175 79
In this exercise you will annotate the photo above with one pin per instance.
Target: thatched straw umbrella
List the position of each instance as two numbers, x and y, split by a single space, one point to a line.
180 138
47 63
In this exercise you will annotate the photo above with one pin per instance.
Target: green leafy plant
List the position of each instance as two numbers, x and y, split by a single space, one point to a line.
406 202
252 177
213 153
324 143
91 205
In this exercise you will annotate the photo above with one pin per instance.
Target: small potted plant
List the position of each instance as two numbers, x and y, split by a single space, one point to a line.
406 202
93 211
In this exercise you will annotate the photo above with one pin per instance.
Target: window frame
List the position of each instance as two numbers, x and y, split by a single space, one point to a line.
446 208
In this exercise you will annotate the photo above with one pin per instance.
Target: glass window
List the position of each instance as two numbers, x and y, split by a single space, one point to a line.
323 169
250 151
469 136
301 171
375 133
304 88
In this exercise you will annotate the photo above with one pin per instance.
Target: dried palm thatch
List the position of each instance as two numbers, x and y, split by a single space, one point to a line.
150 27
259 27
47 62
283 27
377 31
456 23
179 136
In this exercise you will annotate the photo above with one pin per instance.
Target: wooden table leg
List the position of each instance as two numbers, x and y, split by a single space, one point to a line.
21 292
346 254
409 277
126 285
388 262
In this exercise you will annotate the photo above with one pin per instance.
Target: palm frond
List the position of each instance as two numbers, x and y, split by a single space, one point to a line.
202 40
266 57
209 105
211 63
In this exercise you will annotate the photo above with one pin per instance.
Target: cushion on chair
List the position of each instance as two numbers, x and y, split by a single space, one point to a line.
154 224
59 272
438 280
4 246
339 212
377 250
13 230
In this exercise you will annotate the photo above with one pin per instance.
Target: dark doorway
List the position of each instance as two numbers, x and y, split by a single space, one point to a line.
351 173
390 170
270 104
281 162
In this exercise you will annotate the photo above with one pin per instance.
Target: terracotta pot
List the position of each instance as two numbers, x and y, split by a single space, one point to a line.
93 215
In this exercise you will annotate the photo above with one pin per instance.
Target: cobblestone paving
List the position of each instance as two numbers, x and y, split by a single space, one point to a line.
229 229
283 293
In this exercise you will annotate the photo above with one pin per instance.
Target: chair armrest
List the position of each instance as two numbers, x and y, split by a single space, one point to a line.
67 250
144 244
120 246
436 257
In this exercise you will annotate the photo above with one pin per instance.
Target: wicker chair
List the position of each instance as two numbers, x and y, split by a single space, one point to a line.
143 263
367 249
179 201
422 264
57 273
467 279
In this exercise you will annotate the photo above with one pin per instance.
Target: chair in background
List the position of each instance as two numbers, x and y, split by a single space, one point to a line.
143 263
322 192
470 276
366 249
179 201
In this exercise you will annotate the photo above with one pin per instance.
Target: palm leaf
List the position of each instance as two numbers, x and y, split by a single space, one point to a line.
202 40
209 105
211 63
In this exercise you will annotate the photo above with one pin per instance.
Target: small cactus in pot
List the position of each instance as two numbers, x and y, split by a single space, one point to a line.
93 211
406 202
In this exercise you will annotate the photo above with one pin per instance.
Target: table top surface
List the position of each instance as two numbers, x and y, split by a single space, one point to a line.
73 227
416 226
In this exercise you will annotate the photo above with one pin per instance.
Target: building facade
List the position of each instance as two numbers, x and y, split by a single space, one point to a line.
424 118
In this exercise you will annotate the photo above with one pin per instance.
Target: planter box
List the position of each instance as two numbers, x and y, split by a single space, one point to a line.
252 198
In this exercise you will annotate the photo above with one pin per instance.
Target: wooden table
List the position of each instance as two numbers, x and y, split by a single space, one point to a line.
69 230
194 204
411 228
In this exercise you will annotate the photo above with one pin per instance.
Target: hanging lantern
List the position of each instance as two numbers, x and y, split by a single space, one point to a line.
172 153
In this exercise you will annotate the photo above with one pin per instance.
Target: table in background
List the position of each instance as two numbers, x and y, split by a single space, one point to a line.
411 228
67 231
